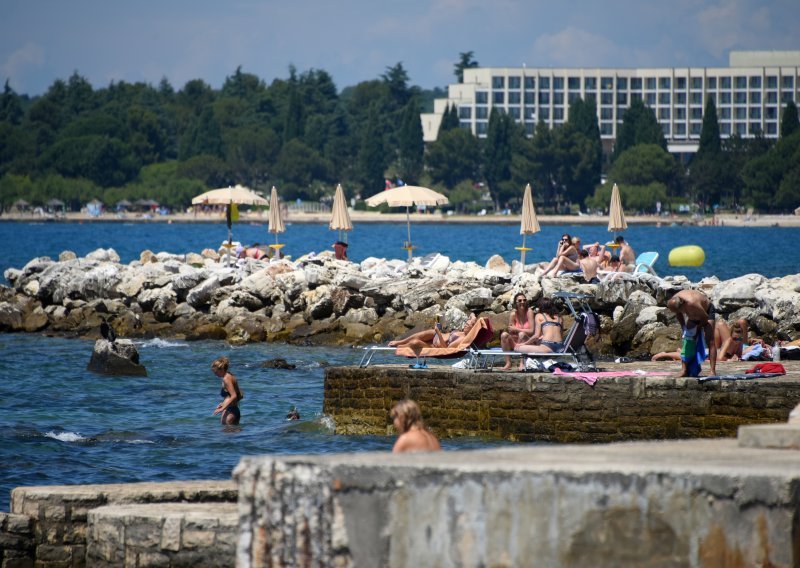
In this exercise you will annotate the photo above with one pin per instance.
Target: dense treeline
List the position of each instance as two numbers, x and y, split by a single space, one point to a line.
137 141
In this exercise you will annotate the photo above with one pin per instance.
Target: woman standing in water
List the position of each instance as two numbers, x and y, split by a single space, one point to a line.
231 393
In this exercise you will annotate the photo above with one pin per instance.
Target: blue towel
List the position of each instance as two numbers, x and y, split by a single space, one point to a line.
693 352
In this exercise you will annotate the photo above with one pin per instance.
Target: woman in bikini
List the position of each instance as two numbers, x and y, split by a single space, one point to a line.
230 392
566 256
435 337
520 326
547 331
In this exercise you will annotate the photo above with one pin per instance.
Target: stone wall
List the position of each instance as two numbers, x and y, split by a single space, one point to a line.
58 515
645 504
544 407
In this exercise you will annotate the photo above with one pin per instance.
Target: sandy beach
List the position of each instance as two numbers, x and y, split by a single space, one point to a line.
727 220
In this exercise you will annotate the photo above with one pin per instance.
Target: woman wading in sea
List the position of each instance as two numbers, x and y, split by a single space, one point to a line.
414 436
231 393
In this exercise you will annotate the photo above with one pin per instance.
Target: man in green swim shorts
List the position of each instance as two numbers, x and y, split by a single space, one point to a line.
695 312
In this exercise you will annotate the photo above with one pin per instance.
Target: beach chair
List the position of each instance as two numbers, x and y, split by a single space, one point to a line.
477 338
645 261
584 324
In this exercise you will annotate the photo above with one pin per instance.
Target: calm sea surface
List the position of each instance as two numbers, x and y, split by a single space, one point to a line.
60 424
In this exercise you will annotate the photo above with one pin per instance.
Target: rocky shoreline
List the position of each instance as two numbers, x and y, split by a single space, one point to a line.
321 300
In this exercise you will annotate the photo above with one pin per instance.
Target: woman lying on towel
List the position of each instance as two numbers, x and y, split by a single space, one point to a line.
435 337
546 336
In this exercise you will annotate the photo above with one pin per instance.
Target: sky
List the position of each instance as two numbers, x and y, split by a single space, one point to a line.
357 40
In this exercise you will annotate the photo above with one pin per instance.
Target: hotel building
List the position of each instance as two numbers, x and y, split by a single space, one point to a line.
749 94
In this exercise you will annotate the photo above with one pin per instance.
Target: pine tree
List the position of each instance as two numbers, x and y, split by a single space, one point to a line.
639 126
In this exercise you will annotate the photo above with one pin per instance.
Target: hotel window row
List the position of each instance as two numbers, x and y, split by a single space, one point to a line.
749 98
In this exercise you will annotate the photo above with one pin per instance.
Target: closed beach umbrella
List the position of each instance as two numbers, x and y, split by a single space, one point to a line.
275 220
529 224
340 218
616 217
228 196
407 196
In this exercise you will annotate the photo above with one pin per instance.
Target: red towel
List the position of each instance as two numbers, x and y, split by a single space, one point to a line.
767 368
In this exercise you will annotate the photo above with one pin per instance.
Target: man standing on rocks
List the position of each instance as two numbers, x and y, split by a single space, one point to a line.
695 313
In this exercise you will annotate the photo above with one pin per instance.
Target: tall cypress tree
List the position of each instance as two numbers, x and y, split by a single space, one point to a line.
411 146
709 133
497 153
789 121
639 126
371 156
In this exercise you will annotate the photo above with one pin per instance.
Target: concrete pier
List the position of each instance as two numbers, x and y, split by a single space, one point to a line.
552 408
672 503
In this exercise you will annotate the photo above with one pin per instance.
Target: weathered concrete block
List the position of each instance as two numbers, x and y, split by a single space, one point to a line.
678 503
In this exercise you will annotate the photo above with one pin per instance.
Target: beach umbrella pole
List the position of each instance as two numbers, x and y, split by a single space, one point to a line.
522 253
408 227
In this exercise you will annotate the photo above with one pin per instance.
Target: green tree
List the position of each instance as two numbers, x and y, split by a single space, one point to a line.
204 137
464 197
411 147
396 78
297 167
789 120
497 156
589 159
707 174
371 156
454 158
10 106
449 120
465 61
778 168
639 126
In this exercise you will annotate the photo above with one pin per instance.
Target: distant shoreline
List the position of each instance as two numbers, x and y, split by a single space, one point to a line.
357 217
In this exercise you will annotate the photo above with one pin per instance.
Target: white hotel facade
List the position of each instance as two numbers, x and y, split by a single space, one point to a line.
749 94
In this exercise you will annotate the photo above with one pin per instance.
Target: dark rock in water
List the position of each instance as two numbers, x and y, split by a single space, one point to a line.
277 364
118 358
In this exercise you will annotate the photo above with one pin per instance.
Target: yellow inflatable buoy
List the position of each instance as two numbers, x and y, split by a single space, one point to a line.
689 255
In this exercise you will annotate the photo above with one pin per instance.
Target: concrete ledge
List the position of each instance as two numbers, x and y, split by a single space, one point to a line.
552 408
784 436
163 534
672 503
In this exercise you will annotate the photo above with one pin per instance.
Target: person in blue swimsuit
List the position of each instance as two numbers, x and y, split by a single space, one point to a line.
696 315
230 392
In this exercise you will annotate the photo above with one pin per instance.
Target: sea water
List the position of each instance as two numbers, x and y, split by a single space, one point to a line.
729 251
61 424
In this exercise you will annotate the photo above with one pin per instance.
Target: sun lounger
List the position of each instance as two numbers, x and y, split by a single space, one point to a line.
480 334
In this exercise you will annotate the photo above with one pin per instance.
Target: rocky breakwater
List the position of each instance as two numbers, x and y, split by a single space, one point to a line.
326 301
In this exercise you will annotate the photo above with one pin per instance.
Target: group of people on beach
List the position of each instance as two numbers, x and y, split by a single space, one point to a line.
591 259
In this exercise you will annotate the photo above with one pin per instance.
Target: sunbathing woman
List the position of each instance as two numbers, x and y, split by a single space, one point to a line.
520 326
547 331
566 256
434 337
731 342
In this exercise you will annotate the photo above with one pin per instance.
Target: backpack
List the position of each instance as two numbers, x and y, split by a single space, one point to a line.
591 324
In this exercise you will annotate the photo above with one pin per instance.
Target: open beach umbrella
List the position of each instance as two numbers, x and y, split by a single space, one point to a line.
340 218
529 224
228 196
275 220
616 217
407 196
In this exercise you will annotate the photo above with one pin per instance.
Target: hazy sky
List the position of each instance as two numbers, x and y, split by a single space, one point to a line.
356 40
